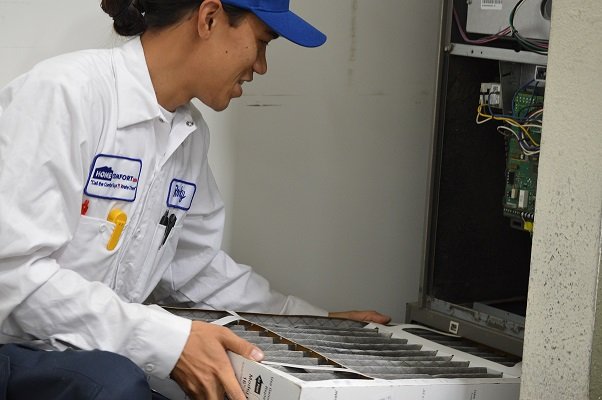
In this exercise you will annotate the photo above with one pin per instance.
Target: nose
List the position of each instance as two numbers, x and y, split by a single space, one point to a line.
261 64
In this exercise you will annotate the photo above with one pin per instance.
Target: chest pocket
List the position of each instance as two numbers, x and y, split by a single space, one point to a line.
87 253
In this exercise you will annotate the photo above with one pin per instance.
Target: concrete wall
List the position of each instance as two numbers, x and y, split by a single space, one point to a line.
595 373
562 308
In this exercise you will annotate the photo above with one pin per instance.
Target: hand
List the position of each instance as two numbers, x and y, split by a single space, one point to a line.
362 316
204 370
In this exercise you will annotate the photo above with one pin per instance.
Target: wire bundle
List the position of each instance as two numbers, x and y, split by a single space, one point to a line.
536 46
521 127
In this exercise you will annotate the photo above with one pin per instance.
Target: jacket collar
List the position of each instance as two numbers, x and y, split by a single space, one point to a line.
136 99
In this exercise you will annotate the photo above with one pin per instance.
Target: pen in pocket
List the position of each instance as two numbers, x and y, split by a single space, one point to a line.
164 219
169 221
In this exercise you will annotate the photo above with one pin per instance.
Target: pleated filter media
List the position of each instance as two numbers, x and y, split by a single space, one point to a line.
308 357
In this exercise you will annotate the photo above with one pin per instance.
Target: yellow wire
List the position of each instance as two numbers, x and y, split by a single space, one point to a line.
510 121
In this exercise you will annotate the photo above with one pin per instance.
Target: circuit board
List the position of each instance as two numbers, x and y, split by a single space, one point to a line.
521 170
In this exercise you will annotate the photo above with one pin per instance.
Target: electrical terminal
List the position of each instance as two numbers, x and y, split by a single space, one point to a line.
491 94
523 199
540 73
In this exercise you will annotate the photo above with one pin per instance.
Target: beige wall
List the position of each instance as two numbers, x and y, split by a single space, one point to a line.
331 154
562 310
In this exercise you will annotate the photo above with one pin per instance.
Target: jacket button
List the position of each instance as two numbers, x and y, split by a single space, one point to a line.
102 228
189 123
149 367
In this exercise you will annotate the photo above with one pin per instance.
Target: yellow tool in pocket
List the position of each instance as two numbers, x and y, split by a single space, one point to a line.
119 218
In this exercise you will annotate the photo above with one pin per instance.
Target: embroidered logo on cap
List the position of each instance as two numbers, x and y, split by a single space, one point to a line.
180 194
113 177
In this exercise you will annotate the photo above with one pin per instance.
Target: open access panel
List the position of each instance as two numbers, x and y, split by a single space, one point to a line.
484 171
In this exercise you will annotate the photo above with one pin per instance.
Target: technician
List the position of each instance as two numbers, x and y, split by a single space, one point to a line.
107 202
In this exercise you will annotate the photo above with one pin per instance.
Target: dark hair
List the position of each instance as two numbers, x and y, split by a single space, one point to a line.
133 17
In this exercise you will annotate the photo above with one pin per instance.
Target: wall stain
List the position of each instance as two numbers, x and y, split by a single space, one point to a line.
353 46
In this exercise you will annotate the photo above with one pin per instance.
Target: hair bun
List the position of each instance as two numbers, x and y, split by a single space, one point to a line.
123 11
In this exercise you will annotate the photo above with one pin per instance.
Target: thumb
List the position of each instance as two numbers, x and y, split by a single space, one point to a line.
242 347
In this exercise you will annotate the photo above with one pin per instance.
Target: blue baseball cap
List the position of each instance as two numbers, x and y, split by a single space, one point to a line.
276 15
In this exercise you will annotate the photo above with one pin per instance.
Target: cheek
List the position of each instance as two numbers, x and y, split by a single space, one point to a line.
249 55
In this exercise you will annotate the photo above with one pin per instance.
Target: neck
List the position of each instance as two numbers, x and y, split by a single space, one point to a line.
166 52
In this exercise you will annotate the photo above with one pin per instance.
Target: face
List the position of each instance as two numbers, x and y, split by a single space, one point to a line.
237 52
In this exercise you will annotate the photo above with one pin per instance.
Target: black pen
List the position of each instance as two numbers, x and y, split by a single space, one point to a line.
170 224
163 220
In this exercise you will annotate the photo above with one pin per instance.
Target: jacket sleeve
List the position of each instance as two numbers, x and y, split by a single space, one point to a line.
46 145
205 276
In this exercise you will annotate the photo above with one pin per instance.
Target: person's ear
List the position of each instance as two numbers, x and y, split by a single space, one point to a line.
209 11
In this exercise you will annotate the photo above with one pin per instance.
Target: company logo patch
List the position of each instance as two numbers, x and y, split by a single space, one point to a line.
180 194
113 177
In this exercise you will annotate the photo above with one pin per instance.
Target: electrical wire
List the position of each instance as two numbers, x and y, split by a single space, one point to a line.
526 148
535 115
509 121
514 116
534 45
520 89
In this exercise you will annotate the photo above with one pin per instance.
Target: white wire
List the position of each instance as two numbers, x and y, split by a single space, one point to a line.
520 141
538 126
482 121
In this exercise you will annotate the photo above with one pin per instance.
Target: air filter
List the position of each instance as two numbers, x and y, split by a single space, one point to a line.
309 357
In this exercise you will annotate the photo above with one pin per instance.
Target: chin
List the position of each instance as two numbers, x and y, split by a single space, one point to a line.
217 102
215 106
221 106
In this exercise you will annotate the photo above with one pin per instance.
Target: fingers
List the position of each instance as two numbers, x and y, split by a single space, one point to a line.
204 370
239 346
378 318
242 347
223 383
231 386
213 391
229 383
362 316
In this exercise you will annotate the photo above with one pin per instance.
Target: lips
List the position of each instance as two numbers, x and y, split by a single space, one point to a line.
237 90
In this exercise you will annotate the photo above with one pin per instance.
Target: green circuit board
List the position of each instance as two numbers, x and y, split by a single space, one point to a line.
521 170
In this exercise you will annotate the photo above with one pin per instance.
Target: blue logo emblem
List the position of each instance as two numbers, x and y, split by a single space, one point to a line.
113 177
103 173
107 174
179 192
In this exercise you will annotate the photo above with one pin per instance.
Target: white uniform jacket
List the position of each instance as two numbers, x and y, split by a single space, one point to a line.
85 128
